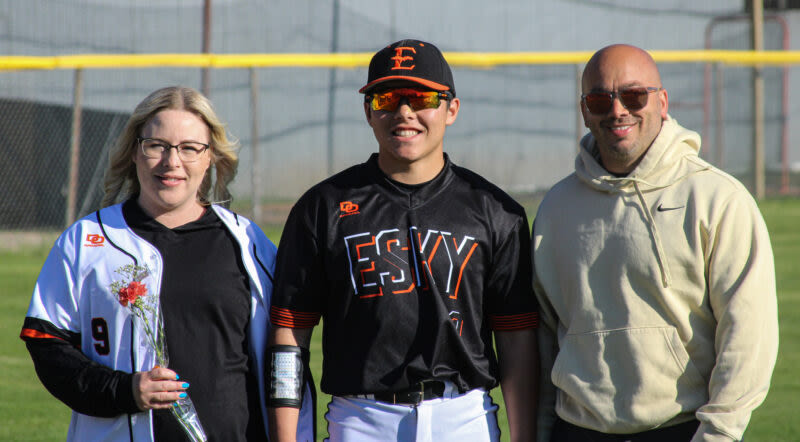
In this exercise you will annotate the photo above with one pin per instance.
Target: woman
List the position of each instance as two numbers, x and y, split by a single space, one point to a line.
210 267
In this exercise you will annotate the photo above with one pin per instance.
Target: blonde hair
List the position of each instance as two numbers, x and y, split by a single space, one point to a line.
120 181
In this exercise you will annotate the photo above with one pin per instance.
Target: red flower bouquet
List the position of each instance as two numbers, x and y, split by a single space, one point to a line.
130 293
145 308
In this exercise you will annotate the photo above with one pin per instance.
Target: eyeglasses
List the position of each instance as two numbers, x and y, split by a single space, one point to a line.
390 100
188 151
632 98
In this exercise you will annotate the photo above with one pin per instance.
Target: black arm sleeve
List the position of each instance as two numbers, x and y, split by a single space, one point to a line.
82 384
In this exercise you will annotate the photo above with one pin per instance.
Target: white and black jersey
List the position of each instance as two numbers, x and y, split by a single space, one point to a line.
85 345
410 280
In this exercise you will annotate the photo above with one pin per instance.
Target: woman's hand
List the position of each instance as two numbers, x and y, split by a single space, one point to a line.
158 388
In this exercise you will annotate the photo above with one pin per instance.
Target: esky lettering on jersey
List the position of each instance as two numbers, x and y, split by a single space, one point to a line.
395 262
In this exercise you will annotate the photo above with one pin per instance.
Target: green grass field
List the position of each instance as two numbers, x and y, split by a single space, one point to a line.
29 413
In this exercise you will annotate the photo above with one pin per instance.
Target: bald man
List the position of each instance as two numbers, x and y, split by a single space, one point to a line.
654 275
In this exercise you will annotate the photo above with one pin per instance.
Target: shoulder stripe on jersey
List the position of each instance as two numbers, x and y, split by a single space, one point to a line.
263 267
35 328
514 322
103 229
284 317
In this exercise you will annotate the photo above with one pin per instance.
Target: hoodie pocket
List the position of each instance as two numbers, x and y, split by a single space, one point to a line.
627 379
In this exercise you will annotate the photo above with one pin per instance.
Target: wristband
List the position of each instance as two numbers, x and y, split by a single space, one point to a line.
286 369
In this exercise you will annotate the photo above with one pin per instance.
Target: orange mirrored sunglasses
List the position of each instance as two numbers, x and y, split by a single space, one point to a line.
390 100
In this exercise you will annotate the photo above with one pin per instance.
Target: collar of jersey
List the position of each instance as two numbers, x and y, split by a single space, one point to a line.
411 196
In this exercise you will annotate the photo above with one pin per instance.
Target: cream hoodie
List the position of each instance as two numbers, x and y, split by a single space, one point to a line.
657 291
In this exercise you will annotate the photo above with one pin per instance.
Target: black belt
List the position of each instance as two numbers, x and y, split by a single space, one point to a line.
564 431
414 394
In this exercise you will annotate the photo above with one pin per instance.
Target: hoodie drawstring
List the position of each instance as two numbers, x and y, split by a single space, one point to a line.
666 279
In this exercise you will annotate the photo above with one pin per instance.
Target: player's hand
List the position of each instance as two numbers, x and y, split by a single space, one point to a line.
157 388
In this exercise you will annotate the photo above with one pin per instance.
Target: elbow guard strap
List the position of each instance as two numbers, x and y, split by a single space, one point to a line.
286 375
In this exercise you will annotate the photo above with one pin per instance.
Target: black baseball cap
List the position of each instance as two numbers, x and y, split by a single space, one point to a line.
410 60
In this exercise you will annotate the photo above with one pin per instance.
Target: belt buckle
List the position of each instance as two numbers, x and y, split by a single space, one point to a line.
420 395
414 395
410 397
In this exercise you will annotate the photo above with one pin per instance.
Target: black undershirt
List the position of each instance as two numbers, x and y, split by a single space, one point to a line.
205 296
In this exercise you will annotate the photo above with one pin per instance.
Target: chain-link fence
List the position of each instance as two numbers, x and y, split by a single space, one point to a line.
36 152
518 124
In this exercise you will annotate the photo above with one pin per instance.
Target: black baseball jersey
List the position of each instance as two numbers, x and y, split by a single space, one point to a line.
410 280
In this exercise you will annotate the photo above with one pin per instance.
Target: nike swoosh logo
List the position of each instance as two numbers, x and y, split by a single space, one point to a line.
661 208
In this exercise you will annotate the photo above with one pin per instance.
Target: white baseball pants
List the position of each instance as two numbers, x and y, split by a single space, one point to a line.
455 417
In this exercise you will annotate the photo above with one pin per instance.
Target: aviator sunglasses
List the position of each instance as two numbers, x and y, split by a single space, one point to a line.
632 98
390 100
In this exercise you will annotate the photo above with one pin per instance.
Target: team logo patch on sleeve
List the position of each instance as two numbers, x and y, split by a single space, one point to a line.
348 208
94 240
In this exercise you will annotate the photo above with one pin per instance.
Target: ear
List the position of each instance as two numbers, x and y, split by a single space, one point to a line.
452 111
583 111
212 157
663 98
367 112
135 152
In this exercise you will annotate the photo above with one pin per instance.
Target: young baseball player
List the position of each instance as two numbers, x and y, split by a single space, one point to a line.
414 263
